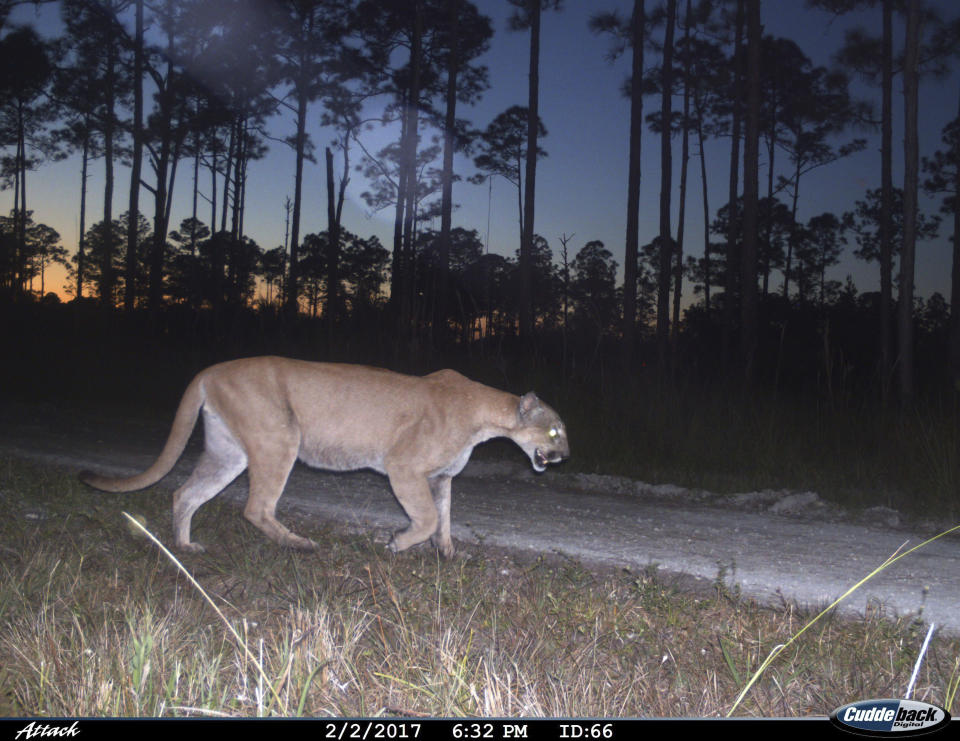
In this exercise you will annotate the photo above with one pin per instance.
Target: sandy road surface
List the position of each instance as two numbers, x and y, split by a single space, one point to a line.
773 544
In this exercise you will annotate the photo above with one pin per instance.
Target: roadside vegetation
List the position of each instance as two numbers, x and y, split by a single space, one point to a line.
94 620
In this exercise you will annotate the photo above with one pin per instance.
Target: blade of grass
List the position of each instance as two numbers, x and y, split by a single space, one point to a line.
952 686
729 660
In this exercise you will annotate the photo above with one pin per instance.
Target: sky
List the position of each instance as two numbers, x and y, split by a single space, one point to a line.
581 184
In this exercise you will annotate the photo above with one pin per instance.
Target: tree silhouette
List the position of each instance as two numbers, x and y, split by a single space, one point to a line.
306 43
708 76
168 125
749 307
101 243
685 63
872 58
819 107
629 34
412 32
26 260
594 288
667 244
236 69
911 157
365 268
736 99
24 116
491 285
819 246
312 271
73 90
802 107
943 169
383 173
465 248
774 220
503 150
136 126
273 267
527 16
467 36
866 219
185 268
544 284
95 38
778 226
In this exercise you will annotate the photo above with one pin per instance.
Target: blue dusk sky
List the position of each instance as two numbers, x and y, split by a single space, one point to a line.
581 184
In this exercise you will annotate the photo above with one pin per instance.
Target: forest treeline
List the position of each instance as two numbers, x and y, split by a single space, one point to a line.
180 92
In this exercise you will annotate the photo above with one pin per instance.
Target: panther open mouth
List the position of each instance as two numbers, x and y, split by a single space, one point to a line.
539 461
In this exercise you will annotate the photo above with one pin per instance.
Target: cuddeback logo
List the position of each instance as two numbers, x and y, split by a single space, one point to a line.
885 717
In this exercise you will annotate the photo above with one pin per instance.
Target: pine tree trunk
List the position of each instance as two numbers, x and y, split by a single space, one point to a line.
193 277
171 182
21 165
301 140
161 168
633 187
155 289
410 157
134 208
107 278
446 197
788 267
81 257
707 273
213 186
684 159
397 266
533 118
666 179
751 159
886 207
228 186
242 182
954 357
911 161
732 258
195 194
768 239
237 165
333 250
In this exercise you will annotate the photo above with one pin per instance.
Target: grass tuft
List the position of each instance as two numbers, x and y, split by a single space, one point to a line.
98 622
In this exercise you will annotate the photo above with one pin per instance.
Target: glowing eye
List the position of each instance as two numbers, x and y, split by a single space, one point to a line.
553 432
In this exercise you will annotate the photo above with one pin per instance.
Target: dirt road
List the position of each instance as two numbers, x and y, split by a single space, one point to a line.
774 545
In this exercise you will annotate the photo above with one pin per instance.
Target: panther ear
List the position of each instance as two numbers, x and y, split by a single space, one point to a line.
528 402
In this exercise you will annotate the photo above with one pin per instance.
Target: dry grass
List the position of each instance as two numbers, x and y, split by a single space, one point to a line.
96 622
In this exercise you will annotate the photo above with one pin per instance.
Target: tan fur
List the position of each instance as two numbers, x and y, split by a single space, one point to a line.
265 413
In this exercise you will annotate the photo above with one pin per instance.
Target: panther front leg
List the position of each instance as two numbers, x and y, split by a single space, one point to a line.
413 493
